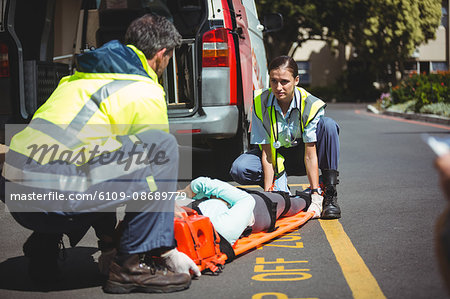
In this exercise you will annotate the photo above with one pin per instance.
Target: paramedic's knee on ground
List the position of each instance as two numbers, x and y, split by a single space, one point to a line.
246 169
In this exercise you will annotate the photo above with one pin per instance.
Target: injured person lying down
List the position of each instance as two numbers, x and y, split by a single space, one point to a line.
235 212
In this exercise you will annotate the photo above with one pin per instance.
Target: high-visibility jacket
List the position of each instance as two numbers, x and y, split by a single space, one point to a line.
114 92
309 107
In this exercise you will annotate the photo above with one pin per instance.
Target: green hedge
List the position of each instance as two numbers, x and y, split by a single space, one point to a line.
424 89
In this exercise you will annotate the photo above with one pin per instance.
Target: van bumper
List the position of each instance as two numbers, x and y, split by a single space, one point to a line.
213 122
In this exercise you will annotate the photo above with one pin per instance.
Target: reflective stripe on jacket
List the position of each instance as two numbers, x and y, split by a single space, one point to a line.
310 106
114 92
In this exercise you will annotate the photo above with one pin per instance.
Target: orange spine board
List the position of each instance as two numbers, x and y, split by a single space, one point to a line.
284 225
197 239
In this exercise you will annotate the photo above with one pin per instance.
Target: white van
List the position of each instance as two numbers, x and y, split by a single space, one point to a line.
208 83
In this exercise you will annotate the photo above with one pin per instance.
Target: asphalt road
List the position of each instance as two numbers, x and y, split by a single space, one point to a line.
381 247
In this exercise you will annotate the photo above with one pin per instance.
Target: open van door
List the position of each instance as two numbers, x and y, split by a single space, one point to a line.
28 73
253 60
252 52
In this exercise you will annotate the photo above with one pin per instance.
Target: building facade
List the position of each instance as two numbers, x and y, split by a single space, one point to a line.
319 65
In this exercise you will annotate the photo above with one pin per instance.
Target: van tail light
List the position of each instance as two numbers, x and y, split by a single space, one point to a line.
216 48
4 61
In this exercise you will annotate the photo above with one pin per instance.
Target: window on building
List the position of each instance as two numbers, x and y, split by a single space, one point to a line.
424 67
411 67
438 66
304 72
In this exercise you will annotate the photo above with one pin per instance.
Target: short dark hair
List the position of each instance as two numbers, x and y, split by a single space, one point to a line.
284 62
151 33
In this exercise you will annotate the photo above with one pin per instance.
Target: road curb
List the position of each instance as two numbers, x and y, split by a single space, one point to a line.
414 116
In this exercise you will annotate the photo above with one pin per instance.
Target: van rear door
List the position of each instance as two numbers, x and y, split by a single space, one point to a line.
181 78
251 50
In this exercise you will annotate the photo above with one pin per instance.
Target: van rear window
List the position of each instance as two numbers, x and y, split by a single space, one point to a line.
187 15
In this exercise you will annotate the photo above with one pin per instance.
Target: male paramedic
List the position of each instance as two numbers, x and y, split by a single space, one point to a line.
294 138
101 140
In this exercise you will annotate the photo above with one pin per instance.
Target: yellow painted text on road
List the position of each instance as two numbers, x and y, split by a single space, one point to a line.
274 294
262 261
275 276
288 238
280 273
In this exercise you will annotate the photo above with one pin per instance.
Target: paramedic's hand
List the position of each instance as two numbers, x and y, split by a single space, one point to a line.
180 212
179 262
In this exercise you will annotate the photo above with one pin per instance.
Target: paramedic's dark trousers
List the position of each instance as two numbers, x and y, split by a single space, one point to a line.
148 224
247 168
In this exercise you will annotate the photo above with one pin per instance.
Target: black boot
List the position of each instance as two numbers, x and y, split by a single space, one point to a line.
43 252
331 208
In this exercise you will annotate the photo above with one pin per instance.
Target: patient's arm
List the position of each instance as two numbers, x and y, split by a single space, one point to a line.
206 187
229 222
188 191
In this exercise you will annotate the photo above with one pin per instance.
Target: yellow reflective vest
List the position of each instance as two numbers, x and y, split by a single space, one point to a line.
113 92
309 107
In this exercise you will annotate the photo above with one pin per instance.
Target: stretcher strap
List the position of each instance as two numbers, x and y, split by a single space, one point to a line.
287 201
271 208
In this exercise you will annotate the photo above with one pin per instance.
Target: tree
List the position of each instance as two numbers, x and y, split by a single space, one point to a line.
383 33
297 14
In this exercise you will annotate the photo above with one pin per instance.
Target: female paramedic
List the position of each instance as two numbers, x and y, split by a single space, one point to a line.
288 125
234 212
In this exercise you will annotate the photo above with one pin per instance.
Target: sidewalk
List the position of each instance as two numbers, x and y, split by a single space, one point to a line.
414 116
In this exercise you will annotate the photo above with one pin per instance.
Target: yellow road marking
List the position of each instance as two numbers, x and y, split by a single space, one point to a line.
248 186
304 186
358 276
277 296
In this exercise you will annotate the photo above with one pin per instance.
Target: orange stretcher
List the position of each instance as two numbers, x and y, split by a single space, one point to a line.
197 238
283 225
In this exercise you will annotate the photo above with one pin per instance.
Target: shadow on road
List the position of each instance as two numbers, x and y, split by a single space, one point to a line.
79 271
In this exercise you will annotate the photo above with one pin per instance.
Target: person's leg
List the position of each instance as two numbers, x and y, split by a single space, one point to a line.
42 247
247 169
328 143
104 226
328 155
42 250
285 206
148 223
